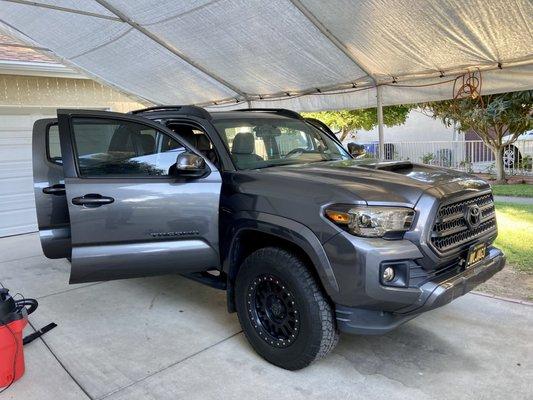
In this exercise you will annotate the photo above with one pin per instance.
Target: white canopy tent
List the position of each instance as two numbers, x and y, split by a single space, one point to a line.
299 54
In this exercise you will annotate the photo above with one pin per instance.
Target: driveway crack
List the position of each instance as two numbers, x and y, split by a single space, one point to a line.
63 366
170 366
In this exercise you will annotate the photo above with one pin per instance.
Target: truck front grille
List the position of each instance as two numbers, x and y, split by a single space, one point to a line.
451 230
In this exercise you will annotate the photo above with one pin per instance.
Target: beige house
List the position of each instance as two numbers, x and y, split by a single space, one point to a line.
33 86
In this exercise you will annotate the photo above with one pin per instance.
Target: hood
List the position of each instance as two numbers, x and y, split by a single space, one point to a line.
374 183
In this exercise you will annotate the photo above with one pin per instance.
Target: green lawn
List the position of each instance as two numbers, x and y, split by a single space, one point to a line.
515 234
516 190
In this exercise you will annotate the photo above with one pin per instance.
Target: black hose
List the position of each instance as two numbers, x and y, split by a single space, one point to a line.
31 303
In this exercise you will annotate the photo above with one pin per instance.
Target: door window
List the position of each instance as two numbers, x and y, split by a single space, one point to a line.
53 147
197 138
122 148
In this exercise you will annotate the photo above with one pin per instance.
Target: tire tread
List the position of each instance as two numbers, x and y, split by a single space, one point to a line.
329 336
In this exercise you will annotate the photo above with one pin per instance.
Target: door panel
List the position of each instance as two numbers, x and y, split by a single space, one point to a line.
124 260
152 226
49 190
128 217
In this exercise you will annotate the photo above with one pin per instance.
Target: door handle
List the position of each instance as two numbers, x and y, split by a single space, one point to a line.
57 189
92 200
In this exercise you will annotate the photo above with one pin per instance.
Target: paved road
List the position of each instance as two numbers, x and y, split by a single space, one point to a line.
510 199
170 338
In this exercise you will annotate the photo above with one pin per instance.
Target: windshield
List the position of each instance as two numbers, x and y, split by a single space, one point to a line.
267 142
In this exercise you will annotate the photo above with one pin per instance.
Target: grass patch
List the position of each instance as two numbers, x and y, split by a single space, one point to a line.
515 234
516 190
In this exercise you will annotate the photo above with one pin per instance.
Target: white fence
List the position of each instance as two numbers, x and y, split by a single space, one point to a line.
472 156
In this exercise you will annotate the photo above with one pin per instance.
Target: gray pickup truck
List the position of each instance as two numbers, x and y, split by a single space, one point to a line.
262 203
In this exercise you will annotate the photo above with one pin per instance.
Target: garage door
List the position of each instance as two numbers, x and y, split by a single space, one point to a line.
17 205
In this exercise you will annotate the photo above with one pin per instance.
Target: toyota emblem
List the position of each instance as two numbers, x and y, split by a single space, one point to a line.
473 216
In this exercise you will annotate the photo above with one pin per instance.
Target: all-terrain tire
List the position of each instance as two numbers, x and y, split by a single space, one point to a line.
282 310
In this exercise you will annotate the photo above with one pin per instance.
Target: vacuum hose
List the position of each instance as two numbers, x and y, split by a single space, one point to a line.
32 305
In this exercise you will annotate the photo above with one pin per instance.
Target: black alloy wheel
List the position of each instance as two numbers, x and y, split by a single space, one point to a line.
273 310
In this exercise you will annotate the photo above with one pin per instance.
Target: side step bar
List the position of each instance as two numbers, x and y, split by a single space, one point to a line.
209 279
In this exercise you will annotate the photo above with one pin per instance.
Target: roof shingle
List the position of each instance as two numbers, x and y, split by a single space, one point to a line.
12 50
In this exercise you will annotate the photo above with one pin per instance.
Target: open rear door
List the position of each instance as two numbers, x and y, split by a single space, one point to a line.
49 189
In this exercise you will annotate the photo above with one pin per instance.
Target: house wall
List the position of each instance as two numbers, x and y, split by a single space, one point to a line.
23 100
418 128
38 91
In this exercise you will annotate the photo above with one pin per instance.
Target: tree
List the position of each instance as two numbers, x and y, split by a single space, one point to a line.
497 119
345 121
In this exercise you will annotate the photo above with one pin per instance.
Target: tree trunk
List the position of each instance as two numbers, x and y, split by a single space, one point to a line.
500 170
344 133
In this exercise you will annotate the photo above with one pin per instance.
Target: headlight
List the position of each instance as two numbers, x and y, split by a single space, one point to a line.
372 221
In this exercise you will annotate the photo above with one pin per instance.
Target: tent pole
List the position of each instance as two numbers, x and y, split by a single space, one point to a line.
380 124
161 42
64 9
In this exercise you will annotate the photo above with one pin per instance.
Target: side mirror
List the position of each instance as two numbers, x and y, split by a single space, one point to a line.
191 165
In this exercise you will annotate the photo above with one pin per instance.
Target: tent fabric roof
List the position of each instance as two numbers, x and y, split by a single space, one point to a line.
299 54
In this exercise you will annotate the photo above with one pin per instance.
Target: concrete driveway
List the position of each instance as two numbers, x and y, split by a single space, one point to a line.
170 338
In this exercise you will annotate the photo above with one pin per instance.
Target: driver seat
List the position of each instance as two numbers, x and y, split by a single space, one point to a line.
243 150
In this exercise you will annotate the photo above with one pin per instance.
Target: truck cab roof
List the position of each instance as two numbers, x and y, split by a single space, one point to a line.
157 112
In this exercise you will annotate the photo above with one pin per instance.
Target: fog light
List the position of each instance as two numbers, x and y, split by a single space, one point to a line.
388 274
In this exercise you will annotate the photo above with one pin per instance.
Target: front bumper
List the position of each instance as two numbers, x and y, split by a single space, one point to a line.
447 288
432 294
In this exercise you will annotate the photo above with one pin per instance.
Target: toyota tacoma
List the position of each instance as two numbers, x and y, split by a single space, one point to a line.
306 241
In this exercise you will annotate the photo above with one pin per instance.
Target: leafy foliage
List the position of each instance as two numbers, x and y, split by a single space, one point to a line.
492 117
428 158
345 121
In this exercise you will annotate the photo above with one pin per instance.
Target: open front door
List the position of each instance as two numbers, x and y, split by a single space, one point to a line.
49 189
130 214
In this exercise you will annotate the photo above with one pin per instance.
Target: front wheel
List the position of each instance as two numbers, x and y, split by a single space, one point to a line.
282 310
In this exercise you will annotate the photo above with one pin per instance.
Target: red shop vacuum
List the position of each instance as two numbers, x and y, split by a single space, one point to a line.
13 319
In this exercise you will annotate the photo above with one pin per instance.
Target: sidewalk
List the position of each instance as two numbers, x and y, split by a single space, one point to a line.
517 200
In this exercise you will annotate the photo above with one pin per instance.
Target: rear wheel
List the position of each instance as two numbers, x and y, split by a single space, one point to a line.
282 310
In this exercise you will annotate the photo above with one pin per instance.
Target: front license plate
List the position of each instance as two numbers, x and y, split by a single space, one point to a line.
476 253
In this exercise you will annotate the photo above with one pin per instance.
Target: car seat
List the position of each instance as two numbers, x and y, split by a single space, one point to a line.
243 149
204 145
147 143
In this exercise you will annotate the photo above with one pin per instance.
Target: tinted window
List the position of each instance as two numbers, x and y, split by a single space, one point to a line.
266 142
117 148
53 147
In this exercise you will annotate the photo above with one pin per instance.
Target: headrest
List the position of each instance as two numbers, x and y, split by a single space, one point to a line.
202 142
243 143
187 133
262 131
